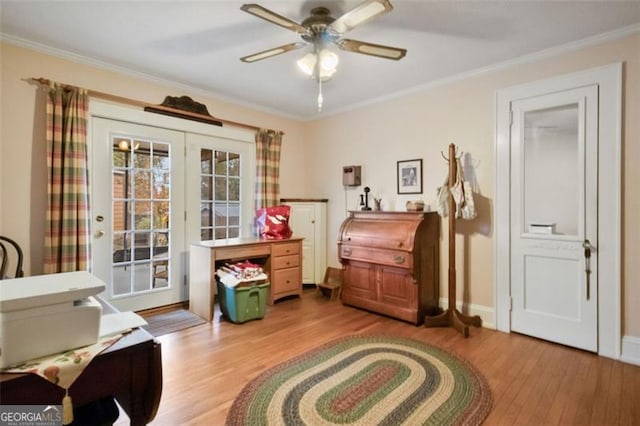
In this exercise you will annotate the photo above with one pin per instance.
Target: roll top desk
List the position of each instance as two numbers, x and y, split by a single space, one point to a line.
391 262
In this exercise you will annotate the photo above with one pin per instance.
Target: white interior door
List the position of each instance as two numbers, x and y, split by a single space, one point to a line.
137 200
554 217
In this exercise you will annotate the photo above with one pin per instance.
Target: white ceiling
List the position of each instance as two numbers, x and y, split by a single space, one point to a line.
198 43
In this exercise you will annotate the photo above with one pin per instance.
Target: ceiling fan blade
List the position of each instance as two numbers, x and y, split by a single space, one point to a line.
360 14
274 18
272 52
378 50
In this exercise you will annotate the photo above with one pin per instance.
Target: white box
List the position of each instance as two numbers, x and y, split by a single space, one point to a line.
46 314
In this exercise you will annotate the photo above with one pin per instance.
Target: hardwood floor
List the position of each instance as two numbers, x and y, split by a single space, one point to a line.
533 382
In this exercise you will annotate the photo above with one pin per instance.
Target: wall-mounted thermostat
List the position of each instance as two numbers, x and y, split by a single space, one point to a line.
351 176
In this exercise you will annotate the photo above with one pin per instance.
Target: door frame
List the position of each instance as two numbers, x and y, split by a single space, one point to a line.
608 78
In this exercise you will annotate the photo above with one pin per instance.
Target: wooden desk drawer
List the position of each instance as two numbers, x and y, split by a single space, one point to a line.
282 262
401 259
286 280
285 249
241 252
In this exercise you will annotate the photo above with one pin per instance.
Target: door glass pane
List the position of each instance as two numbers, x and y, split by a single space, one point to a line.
161 157
221 189
141 154
205 161
142 277
161 214
234 189
234 164
206 192
161 185
206 215
221 163
121 280
142 218
552 168
142 184
141 207
221 214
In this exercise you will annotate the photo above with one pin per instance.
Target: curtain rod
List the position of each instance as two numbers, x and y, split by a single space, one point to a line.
134 102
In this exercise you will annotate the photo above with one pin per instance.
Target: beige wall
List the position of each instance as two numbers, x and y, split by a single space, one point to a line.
421 125
418 125
22 150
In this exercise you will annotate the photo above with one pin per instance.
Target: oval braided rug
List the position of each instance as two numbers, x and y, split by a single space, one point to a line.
366 380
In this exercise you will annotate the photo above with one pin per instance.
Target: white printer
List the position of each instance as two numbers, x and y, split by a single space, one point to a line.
45 314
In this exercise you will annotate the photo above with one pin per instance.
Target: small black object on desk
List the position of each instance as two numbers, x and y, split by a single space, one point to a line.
364 199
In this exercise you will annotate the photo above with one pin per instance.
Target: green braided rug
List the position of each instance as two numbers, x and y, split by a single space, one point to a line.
366 380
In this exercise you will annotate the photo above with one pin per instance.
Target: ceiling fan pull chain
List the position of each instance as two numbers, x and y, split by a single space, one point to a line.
320 98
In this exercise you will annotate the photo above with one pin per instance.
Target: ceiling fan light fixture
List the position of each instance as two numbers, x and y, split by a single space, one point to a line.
326 68
328 61
307 63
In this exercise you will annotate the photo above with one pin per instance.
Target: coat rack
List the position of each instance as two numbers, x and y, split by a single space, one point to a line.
452 317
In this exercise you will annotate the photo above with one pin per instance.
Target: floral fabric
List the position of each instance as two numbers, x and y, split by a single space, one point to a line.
64 368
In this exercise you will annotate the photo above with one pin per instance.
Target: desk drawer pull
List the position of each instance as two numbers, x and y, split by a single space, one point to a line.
346 251
399 259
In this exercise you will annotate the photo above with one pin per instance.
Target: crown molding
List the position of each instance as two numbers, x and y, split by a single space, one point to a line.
96 63
499 66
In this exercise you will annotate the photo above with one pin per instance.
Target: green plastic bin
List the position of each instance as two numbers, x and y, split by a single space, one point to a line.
242 304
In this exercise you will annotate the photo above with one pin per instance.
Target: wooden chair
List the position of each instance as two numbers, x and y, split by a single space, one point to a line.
332 282
5 253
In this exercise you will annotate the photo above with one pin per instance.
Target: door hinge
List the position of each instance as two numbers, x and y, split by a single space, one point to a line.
510 117
185 215
510 304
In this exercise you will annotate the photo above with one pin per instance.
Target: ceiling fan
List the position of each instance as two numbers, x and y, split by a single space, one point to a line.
321 31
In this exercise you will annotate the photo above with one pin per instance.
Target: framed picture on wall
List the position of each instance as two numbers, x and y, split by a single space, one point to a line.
410 176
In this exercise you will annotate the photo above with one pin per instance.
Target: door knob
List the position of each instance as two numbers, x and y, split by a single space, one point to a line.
99 233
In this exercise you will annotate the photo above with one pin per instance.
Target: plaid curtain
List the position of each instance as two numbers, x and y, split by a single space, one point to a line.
268 145
67 227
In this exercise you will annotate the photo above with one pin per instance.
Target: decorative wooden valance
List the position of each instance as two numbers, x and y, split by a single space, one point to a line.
184 107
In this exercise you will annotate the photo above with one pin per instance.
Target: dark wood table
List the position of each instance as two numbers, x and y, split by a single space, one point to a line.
130 370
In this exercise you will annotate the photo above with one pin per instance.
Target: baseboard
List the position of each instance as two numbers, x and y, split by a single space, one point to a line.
630 350
486 313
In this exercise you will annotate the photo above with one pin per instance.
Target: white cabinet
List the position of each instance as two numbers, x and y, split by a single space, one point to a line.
309 221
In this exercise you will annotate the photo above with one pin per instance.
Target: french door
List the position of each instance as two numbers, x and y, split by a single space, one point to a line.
138 209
